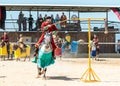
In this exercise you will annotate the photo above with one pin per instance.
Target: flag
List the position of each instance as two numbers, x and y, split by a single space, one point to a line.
117 12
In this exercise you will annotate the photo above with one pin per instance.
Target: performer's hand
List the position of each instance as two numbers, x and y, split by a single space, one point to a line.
36 45
49 25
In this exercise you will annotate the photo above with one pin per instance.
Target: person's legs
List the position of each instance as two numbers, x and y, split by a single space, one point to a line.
39 72
29 27
8 49
44 76
97 54
19 24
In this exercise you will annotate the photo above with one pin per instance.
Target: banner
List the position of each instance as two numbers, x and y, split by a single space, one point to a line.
117 12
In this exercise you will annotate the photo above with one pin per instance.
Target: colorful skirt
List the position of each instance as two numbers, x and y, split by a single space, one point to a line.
45 59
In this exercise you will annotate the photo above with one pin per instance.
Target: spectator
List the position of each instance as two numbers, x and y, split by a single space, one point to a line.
118 47
20 20
30 20
45 17
64 20
39 22
78 25
52 19
57 18
96 41
24 23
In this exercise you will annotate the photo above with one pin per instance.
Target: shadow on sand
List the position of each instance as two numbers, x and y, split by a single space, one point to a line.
2 76
61 78
100 59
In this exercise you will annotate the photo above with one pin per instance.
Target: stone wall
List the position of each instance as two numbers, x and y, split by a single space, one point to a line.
74 36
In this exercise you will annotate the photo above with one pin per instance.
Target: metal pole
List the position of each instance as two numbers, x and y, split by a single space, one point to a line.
37 13
69 16
89 38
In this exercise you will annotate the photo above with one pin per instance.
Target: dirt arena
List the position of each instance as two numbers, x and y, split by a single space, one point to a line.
65 72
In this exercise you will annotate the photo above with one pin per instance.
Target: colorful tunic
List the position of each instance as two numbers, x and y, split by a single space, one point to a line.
45 57
50 29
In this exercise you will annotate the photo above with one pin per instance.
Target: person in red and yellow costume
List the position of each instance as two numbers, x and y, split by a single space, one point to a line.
46 27
5 40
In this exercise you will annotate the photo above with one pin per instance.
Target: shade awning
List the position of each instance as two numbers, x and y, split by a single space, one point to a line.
47 7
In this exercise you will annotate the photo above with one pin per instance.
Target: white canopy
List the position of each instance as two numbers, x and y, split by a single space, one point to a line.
49 7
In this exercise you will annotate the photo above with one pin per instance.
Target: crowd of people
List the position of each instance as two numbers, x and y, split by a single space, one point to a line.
22 21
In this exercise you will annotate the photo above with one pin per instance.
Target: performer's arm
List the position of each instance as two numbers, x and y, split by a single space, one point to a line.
40 40
54 28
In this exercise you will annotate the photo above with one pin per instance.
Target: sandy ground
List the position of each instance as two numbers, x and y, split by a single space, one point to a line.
65 72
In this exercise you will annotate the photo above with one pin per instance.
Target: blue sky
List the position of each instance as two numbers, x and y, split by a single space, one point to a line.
73 2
